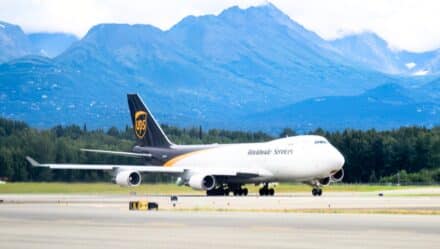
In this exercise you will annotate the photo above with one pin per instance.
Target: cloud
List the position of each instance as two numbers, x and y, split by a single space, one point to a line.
78 16
410 65
404 24
421 73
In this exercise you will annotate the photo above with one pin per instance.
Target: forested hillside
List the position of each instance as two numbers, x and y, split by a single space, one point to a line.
371 156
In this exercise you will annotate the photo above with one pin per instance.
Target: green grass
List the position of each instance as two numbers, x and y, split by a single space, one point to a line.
109 188
340 188
90 188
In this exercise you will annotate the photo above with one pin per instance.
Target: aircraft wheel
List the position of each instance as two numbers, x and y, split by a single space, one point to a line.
245 191
264 191
217 192
271 191
316 192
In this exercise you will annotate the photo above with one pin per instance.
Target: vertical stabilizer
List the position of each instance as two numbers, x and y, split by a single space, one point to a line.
146 129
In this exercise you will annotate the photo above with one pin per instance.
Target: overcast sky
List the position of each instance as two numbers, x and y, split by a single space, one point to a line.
406 24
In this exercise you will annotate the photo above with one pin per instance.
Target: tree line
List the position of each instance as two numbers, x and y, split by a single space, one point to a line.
405 155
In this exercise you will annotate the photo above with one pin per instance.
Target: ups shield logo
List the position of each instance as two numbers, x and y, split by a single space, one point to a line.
140 124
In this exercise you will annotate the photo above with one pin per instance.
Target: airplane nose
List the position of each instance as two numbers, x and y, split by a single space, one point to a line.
340 160
336 160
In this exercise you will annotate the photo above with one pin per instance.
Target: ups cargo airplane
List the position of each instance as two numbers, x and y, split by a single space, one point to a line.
220 169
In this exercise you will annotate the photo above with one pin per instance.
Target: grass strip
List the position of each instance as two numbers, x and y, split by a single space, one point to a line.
169 188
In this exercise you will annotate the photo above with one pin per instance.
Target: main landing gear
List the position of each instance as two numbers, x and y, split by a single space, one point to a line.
240 191
225 190
265 190
217 191
316 191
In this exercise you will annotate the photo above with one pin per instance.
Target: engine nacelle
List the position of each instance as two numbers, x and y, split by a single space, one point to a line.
325 181
202 182
128 178
337 177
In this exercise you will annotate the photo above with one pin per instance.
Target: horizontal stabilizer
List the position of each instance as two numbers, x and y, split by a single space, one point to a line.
33 162
118 153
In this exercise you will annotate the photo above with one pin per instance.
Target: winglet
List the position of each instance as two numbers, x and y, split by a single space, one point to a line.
32 161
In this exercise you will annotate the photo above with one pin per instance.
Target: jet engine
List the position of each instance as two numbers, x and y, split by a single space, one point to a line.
202 182
128 178
325 181
337 177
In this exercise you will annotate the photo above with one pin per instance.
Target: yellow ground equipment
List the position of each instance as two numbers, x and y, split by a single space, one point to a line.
143 205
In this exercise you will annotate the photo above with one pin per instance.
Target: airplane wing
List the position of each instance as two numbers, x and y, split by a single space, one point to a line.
118 153
240 172
140 168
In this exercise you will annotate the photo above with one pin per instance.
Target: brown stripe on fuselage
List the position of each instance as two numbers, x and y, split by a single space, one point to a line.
174 160
167 157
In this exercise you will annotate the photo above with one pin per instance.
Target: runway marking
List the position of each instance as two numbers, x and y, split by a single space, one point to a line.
395 211
271 229
166 224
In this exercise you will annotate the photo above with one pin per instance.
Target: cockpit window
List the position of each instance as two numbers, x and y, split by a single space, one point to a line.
320 142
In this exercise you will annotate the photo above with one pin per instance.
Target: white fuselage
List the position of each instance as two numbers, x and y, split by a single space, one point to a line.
296 159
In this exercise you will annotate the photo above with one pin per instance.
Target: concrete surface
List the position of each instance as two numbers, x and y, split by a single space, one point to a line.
111 225
249 203
104 221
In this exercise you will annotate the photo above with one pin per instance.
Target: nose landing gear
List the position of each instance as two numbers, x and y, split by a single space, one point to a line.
316 192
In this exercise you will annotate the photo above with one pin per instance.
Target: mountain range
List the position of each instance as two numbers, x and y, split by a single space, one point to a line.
387 106
369 50
14 43
251 68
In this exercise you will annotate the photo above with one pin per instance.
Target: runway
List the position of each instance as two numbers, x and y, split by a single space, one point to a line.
286 202
95 221
102 226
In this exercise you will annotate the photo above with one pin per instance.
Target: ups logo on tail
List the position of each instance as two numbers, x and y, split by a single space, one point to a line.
140 124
